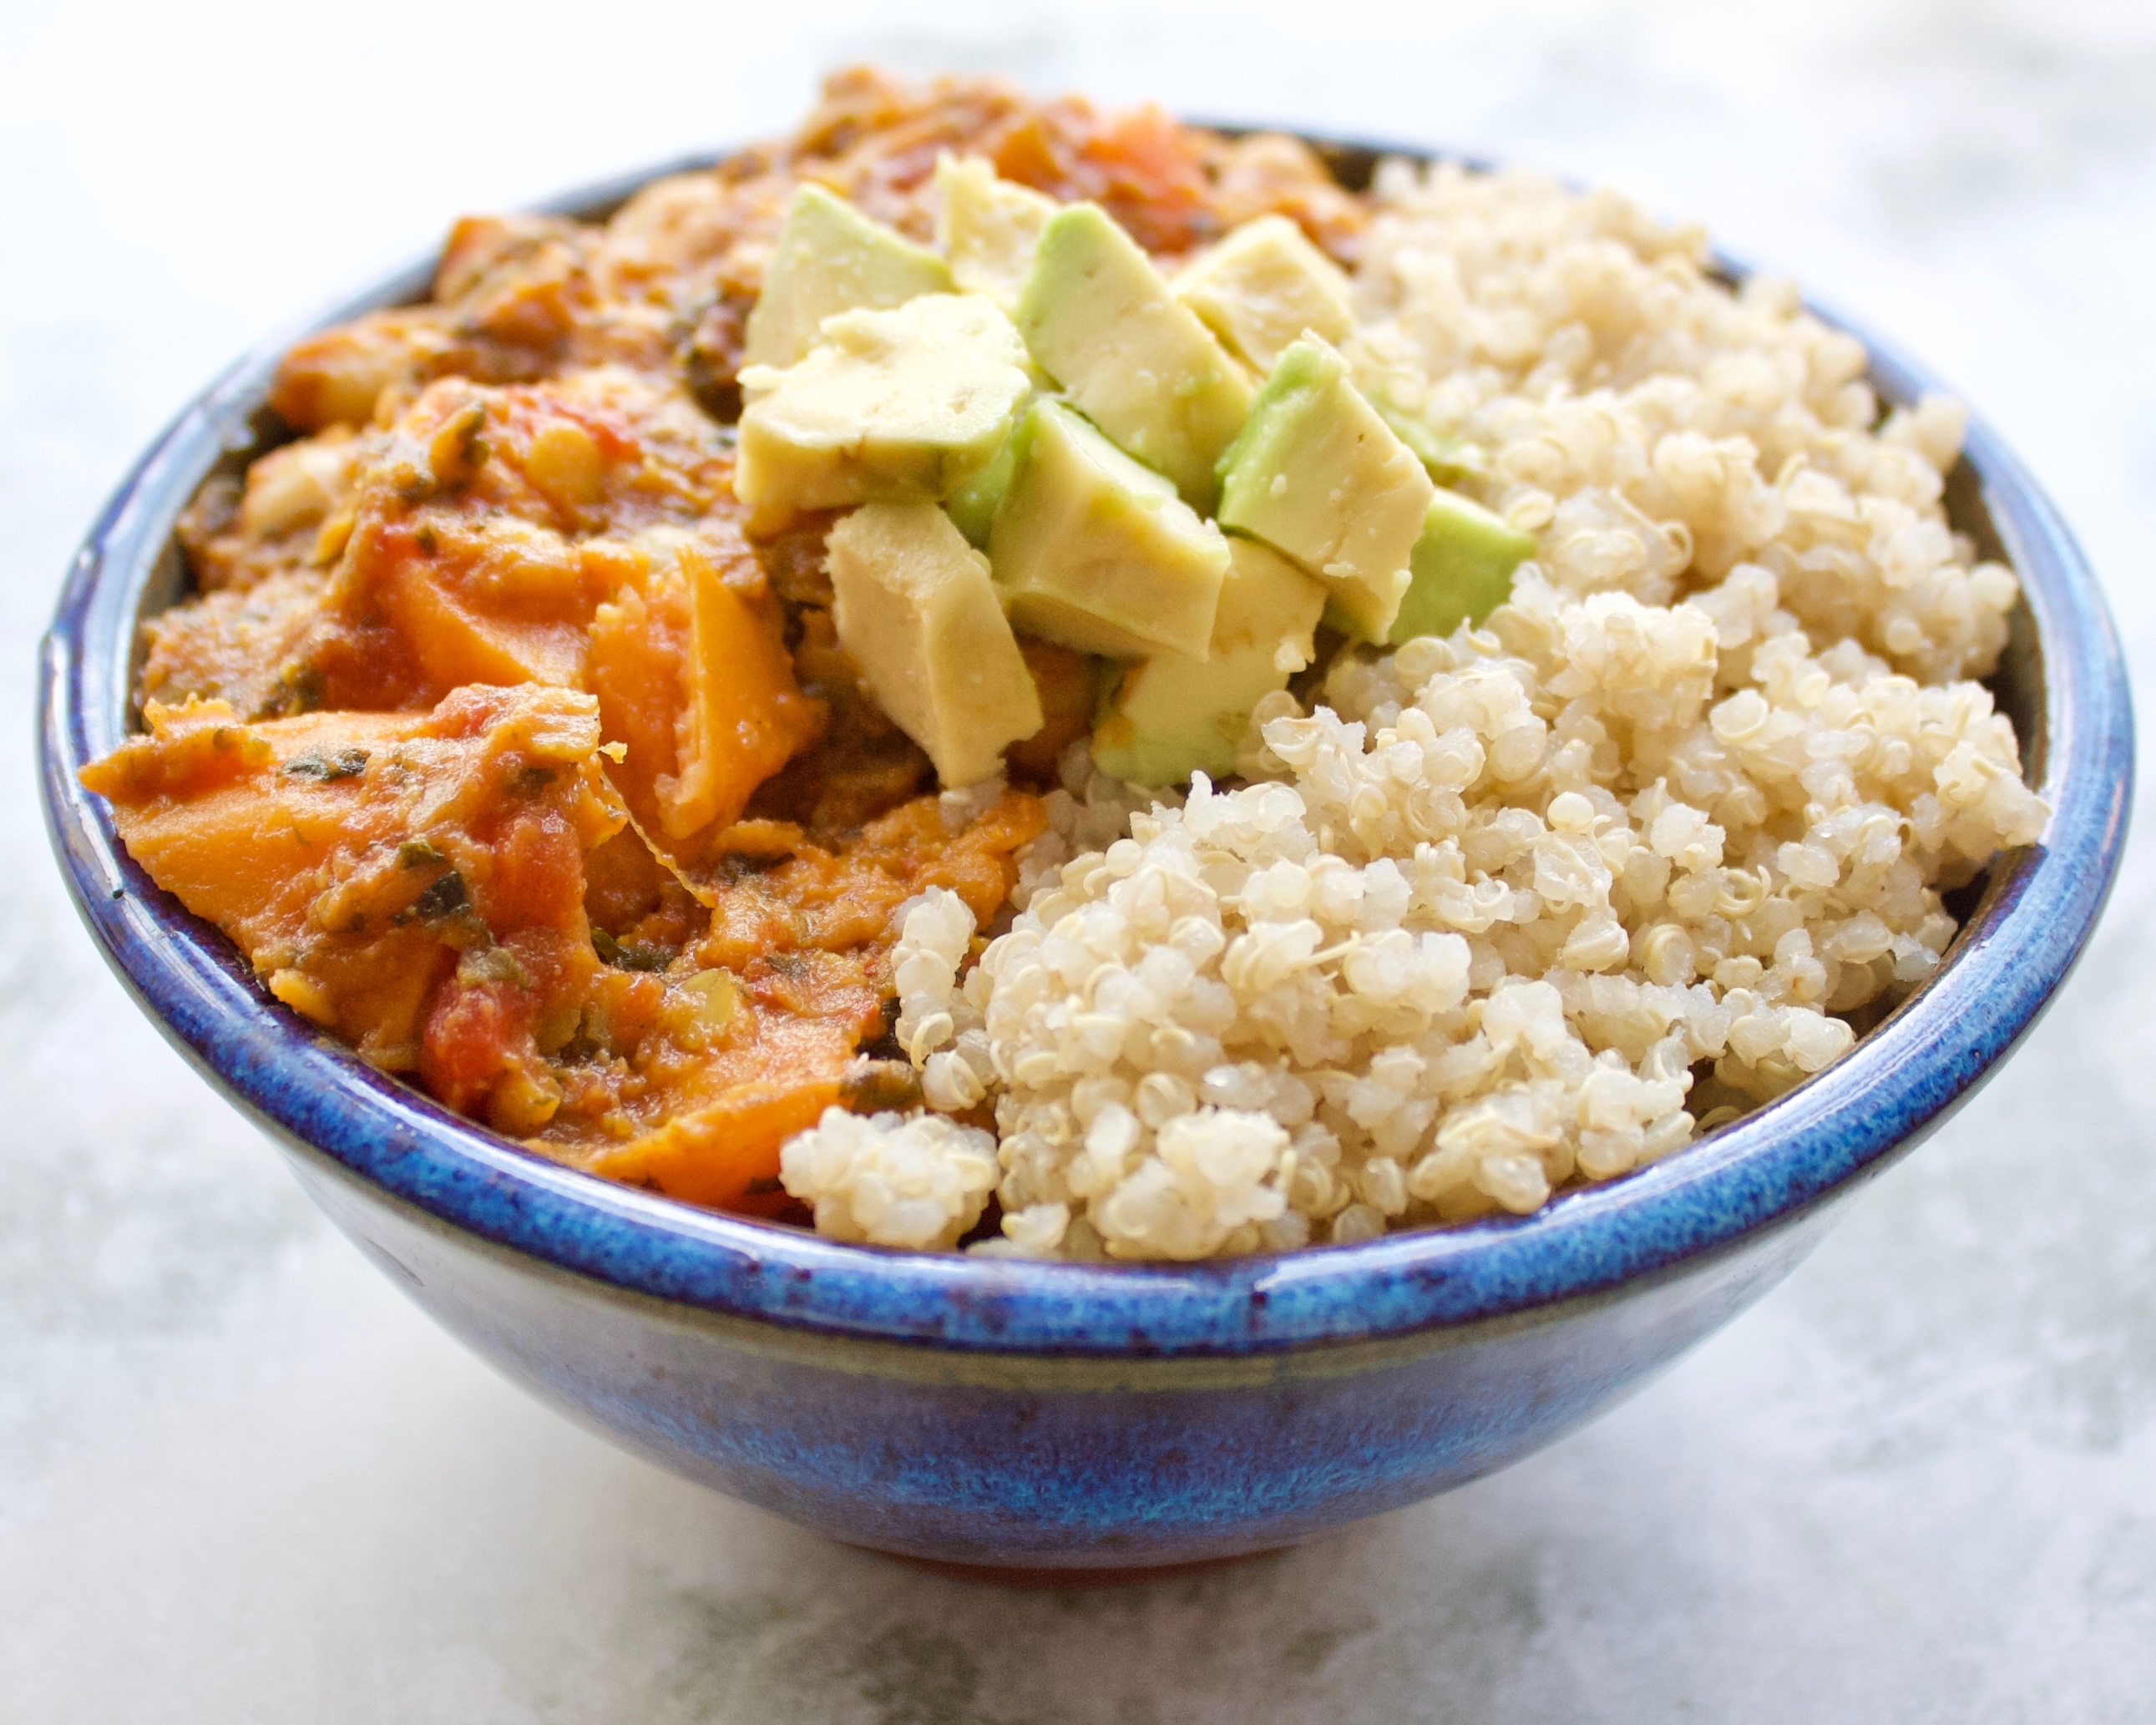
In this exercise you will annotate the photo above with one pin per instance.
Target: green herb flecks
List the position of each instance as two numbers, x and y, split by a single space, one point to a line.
299 691
344 763
493 964
446 898
629 955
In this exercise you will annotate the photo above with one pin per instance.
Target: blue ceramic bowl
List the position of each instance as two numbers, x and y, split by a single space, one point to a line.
1067 1417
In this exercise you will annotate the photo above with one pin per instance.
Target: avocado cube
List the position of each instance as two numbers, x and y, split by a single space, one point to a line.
1096 551
1316 474
972 506
987 227
1447 460
1099 320
1173 716
1462 568
1264 285
917 612
830 258
892 407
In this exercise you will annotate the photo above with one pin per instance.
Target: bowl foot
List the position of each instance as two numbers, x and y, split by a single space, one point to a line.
1059 1580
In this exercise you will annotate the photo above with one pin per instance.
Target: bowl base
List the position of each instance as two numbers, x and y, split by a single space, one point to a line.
1052 1579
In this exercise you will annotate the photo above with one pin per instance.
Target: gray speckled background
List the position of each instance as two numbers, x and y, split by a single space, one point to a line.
241 1479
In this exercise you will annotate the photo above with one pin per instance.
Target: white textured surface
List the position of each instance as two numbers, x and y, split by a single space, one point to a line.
241 1479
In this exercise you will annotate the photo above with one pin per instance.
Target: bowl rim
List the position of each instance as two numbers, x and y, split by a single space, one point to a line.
1847 1123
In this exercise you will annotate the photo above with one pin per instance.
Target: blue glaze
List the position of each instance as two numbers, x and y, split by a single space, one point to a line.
859 1390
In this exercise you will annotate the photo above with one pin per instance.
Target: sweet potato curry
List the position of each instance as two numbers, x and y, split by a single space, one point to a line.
516 749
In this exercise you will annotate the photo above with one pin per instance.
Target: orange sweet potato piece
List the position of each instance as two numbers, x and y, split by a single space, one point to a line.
364 860
496 601
1069 685
487 525
694 680
716 1154
744 716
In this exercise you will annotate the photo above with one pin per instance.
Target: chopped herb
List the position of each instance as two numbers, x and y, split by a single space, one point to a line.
344 763
886 1045
493 964
530 781
417 854
459 449
427 540
447 897
869 1087
471 434
299 691
629 955
736 866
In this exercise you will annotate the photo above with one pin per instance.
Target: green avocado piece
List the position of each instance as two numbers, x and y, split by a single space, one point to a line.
1264 285
917 612
1096 551
973 505
1462 568
987 227
830 258
1447 460
1318 475
890 407
1173 716
1137 362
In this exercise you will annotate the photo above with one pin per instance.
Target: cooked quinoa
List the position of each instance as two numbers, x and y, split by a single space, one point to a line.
1531 907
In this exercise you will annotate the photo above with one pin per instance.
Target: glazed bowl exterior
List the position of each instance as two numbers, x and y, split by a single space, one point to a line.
1068 1417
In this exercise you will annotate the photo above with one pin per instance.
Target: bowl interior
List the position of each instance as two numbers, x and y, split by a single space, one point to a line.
2060 680
2017 684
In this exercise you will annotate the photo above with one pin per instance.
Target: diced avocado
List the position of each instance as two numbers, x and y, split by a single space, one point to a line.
1174 716
1317 475
830 258
1264 285
1102 322
917 612
1446 459
987 227
1462 567
890 407
973 505
1094 551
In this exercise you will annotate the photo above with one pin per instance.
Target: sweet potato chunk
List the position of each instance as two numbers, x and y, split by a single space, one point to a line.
693 679
744 716
743 1038
365 861
487 526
